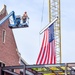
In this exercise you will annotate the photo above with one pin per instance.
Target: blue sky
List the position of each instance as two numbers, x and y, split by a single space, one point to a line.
28 40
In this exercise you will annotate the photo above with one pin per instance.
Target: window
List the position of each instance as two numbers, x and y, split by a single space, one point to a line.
3 35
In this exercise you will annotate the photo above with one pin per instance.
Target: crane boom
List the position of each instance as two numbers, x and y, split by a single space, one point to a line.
16 21
6 17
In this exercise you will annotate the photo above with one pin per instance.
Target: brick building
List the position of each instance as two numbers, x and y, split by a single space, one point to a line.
9 54
8 49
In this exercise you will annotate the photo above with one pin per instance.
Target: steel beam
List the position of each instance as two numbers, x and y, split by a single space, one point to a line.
0 71
13 73
71 64
43 66
24 70
13 67
60 69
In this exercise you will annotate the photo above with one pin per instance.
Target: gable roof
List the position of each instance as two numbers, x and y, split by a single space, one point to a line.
3 10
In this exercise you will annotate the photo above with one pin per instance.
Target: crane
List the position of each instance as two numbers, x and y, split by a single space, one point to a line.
54 11
16 21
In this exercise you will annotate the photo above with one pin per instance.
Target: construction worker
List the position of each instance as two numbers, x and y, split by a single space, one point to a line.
18 19
24 17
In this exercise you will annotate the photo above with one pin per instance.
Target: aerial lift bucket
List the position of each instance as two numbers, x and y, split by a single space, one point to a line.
18 23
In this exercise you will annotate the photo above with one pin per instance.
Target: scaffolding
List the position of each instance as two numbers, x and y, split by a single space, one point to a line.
53 69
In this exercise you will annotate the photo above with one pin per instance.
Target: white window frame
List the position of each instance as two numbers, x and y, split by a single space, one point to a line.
3 35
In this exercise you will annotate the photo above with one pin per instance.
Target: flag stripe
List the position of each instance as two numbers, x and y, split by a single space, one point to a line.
46 56
44 49
40 51
47 53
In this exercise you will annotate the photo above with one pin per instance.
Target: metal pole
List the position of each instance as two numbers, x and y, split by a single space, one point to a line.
0 70
65 68
24 70
48 25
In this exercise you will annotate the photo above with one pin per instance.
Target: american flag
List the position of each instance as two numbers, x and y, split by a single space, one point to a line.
47 53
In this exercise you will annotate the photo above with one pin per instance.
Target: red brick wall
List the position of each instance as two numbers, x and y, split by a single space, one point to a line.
8 53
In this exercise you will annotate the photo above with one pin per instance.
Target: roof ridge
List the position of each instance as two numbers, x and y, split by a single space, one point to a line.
3 10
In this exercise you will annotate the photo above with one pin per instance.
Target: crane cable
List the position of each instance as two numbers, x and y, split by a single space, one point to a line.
41 18
42 12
